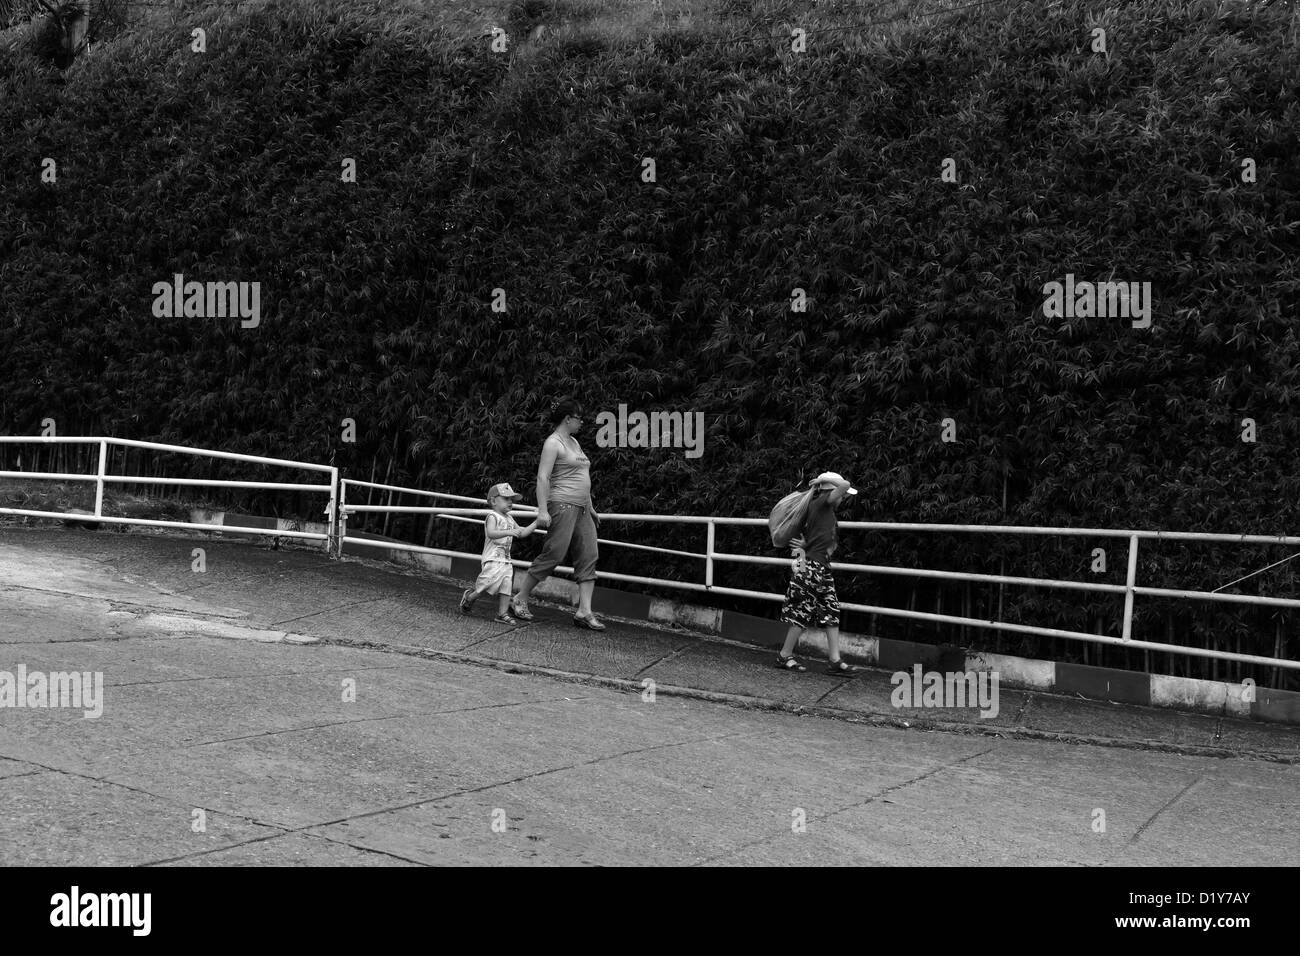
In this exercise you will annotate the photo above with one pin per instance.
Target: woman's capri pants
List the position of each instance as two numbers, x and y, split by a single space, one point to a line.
572 529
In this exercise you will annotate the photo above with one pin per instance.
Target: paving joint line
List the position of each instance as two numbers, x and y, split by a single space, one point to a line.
126 786
844 682
1181 793
671 655
114 602
537 773
328 610
287 831
861 803
367 720
184 680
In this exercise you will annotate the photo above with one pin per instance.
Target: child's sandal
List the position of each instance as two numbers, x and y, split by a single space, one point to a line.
788 663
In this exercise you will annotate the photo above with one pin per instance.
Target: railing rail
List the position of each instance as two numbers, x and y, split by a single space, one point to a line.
711 556
101 477
465 508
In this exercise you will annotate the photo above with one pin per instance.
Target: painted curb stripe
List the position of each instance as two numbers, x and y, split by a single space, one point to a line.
1278 706
1102 683
1015 671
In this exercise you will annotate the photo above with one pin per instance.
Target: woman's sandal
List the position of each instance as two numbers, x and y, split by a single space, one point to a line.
838 667
590 623
788 663
521 612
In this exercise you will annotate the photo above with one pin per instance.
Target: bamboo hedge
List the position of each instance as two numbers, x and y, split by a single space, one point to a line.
774 171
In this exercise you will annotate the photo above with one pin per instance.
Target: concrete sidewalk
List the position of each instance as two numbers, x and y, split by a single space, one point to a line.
363 603
280 708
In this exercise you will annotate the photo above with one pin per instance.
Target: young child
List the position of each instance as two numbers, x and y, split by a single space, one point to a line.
811 601
498 574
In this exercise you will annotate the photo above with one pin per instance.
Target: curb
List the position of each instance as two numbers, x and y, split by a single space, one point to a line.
1217 698
745 702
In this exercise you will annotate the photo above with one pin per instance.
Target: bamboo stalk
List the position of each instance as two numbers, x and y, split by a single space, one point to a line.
1002 592
965 607
911 606
388 474
1277 652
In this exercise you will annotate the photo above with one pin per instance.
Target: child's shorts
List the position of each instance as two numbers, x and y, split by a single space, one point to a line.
811 600
497 577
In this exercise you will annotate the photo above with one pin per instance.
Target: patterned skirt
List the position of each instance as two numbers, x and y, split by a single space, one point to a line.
811 600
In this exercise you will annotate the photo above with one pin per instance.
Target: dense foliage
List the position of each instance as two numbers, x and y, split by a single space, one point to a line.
821 171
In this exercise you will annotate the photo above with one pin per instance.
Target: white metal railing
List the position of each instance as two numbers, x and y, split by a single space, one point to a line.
710 556
101 477
338 510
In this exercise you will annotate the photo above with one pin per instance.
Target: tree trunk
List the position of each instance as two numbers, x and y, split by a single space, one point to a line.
72 43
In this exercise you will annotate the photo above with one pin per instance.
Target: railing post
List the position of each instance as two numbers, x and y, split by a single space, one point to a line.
340 518
1132 581
708 556
99 481
332 514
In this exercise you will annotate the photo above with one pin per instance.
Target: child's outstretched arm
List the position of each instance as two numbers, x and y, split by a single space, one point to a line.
526 530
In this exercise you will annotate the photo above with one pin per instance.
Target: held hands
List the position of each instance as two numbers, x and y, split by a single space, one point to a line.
543 518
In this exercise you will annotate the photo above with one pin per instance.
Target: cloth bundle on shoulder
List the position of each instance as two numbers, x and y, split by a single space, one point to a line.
787 518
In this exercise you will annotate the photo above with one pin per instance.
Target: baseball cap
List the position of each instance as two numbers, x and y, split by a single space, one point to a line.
830 476
504 490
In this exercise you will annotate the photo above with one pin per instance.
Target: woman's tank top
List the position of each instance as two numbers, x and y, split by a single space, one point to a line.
570 475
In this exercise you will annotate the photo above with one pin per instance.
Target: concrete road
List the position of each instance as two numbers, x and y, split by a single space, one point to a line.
242 724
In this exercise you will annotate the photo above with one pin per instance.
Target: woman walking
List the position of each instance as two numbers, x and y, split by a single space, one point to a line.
811 601
565 509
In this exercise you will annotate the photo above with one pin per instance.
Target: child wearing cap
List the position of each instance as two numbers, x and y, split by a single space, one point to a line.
498 574
811 601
